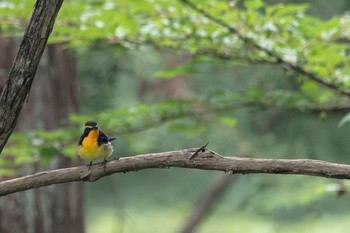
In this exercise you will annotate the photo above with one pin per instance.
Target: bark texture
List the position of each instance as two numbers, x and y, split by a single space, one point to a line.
52 98
22 73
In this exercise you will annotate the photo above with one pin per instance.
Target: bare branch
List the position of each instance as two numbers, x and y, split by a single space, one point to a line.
207 160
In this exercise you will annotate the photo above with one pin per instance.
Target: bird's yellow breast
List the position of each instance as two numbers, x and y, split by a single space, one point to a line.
89 149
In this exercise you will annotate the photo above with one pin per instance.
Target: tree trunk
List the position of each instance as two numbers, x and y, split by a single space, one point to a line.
52 98
21 75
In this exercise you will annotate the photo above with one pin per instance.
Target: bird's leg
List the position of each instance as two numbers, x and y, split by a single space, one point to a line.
116 157
104 162
90 164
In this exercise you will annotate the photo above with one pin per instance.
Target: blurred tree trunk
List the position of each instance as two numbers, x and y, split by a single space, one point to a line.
52 98
207 202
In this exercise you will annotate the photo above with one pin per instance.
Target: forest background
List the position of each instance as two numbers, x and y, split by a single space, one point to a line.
254 78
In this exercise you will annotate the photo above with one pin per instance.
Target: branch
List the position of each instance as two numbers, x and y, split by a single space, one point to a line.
25 65
278 60
206 160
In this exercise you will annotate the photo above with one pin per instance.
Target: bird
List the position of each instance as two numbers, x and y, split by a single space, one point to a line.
94 144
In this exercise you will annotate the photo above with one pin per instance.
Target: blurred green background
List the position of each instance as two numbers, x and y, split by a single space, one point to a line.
113 76
161 200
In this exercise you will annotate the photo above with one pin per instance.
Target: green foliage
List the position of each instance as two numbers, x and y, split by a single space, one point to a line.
241 110
39 146
257 32
227 121
281 34
174 71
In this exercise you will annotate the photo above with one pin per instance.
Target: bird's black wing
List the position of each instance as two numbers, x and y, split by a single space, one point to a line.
102 138
85 134
81 140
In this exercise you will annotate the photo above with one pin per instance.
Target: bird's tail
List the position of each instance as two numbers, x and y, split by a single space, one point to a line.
111 139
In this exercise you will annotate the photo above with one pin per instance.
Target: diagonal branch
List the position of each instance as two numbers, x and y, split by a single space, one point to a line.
278 60
24 67
207 160
207 202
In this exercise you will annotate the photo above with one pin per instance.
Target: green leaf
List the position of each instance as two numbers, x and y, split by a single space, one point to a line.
173 72
344 120
227 121
311 88
254 4
282 10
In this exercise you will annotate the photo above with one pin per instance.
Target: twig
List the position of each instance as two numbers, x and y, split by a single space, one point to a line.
207 160
277 59
202 149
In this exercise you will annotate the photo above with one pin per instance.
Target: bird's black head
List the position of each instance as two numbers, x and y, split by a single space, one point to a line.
91 125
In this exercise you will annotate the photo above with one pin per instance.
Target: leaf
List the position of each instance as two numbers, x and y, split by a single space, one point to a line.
282 10
311 88
173 72
227 121
254 4
344 120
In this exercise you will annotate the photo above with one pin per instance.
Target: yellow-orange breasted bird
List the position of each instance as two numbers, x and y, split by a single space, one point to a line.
94 144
